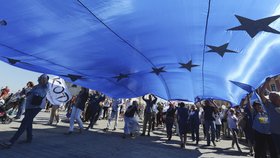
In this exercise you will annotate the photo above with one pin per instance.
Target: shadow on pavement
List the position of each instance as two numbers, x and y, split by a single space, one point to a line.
52 142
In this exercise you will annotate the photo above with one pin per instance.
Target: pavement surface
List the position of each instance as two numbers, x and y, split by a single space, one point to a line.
50 141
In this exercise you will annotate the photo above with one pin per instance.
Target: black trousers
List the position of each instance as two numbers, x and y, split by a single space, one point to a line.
195 132
169 124
105 112
262 142
26 124
93 116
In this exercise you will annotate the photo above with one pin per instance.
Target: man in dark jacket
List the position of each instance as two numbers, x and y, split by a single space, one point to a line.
209 121
94 108
148 113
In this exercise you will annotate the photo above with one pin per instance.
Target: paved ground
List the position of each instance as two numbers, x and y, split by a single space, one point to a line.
50 141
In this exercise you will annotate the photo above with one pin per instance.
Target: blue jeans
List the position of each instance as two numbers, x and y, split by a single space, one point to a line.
210 124
21 108
26 124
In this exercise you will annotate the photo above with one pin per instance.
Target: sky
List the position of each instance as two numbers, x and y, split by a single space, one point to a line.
15 78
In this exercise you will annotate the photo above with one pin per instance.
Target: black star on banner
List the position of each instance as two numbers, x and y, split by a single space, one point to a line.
121 76
72 77
157 71
253 27
221 50
188 65
3 22
12 61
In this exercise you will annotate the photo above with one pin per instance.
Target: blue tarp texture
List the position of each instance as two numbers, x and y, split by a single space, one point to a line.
175 49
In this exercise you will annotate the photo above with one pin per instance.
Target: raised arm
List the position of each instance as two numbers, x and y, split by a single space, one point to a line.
143 97
263 89
155 99
212 101
247 100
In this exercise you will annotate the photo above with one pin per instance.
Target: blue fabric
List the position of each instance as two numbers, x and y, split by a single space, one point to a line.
113 46
244 86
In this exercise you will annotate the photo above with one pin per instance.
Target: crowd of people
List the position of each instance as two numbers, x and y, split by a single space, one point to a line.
254 122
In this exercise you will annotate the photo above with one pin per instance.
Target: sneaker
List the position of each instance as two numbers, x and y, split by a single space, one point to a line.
250 154
114 129
57 122
214 143
48 123
142 134
6 145
105 129
16 118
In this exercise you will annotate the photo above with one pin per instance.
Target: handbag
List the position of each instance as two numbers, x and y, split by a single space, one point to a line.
36 100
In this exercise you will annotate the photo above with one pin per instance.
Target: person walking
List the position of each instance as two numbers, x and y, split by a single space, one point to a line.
262 132
272 105
114 114
182 118
170 117
78 107
106 106
94 108
54 114
194 123
218 124
232 125
148 113
35 102
209 122
131 125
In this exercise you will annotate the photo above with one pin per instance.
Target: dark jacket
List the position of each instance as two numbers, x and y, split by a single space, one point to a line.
82 99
